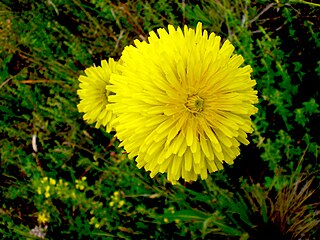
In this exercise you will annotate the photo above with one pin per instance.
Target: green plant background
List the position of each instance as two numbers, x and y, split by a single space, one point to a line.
59 172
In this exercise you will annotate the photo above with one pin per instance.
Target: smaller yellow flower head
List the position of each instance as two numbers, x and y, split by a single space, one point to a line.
94 95
43 217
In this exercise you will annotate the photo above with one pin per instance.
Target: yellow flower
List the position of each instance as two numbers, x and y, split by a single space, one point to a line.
43 217
47 193
80 183
44 180
182 103
52 181
115 199
94 96
121 203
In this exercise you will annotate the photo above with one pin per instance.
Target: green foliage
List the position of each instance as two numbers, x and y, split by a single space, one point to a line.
71 180
303 114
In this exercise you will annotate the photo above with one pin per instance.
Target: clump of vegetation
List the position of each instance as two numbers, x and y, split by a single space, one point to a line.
62 178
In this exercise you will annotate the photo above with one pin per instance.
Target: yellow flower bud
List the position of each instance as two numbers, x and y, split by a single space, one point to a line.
52 181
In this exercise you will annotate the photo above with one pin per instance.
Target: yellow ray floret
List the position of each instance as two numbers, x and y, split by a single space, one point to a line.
182 102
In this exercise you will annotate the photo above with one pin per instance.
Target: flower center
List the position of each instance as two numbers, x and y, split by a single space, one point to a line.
195 104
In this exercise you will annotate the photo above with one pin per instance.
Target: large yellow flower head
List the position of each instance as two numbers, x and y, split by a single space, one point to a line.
182 103
94 95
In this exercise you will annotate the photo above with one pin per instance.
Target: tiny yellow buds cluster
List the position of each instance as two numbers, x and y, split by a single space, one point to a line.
47 191
46 186
94 221
116 200
97 221
49 187
80 184
44 180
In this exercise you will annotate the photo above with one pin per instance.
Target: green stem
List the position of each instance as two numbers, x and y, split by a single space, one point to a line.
305 2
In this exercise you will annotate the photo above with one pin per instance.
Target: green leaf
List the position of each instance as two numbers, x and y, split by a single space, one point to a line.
187 215
311 106
213 221
300 116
